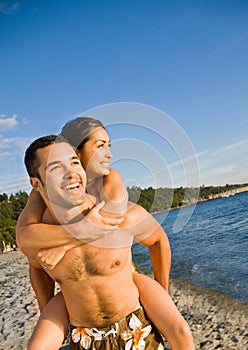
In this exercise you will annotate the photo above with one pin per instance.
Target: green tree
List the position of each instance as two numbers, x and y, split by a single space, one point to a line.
3 197
10 209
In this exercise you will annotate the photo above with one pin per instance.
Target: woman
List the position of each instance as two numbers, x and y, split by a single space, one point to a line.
91 140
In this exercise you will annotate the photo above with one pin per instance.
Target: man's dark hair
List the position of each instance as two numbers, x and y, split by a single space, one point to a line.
77 131
31 161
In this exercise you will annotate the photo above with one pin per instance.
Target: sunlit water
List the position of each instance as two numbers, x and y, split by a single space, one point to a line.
211 250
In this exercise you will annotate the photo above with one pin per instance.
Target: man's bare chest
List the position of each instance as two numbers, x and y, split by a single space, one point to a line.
84 262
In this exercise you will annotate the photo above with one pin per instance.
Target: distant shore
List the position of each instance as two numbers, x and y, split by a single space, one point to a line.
199 201
216 321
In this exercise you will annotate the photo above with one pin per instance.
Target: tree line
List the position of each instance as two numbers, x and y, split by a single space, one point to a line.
161 199
10 209
153 200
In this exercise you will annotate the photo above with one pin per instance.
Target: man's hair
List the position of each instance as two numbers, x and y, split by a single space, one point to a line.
77 131
31 160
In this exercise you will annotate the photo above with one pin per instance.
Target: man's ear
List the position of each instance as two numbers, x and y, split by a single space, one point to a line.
35 183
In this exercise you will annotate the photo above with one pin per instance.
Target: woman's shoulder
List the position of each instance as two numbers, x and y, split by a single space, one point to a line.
114 177
114 173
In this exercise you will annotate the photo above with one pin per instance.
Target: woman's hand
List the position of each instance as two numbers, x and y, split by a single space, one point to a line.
50 257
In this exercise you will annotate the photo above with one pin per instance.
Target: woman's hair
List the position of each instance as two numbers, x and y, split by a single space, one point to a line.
77 131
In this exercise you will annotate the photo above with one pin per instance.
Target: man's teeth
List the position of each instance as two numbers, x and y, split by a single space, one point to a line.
72 186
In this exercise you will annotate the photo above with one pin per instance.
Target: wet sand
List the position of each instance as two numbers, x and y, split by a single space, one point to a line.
216 321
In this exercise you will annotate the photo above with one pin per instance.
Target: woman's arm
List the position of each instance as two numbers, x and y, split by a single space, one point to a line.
114 194
30 232
112 191
33 211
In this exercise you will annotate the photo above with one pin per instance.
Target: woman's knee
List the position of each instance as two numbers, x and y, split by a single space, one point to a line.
183 332
34 345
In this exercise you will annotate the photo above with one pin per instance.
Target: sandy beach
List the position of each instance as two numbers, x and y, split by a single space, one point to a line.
216 321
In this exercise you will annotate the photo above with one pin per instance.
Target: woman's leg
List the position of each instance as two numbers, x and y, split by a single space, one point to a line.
52 326
163 313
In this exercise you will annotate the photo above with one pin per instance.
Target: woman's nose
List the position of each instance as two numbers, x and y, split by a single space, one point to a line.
108 153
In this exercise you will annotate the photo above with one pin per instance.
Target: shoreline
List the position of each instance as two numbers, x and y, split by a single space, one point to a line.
216 320
219 196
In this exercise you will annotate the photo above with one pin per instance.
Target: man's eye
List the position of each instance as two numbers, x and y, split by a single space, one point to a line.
55 167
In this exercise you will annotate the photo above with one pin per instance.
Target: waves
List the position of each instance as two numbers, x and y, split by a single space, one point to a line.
211 249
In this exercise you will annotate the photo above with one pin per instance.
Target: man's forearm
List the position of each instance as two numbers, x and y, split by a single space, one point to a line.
42 284
160 254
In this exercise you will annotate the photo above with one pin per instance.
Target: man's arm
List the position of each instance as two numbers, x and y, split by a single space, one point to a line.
160 254
43 285
149 232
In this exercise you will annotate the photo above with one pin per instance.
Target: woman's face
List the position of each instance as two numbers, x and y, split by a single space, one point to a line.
95 155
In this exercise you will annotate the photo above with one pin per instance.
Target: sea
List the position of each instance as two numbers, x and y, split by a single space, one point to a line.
209 243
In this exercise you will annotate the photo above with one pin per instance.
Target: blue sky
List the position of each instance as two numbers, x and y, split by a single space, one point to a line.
170 77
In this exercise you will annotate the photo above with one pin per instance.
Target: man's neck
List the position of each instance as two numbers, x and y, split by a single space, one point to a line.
61 215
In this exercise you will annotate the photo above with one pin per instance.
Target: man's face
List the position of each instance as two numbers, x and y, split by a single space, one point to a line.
62 175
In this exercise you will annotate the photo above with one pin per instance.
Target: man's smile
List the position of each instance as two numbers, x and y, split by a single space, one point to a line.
73 186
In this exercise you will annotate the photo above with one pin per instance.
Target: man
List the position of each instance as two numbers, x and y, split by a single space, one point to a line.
95 279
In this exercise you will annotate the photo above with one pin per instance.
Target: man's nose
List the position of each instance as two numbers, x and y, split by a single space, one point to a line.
70 172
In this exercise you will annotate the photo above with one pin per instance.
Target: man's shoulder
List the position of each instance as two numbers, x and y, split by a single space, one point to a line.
135 215
134 209
139 222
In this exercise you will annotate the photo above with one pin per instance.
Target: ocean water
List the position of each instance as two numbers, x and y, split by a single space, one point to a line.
209 243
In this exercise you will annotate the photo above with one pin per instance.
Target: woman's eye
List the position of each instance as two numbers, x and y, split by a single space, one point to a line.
76 162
